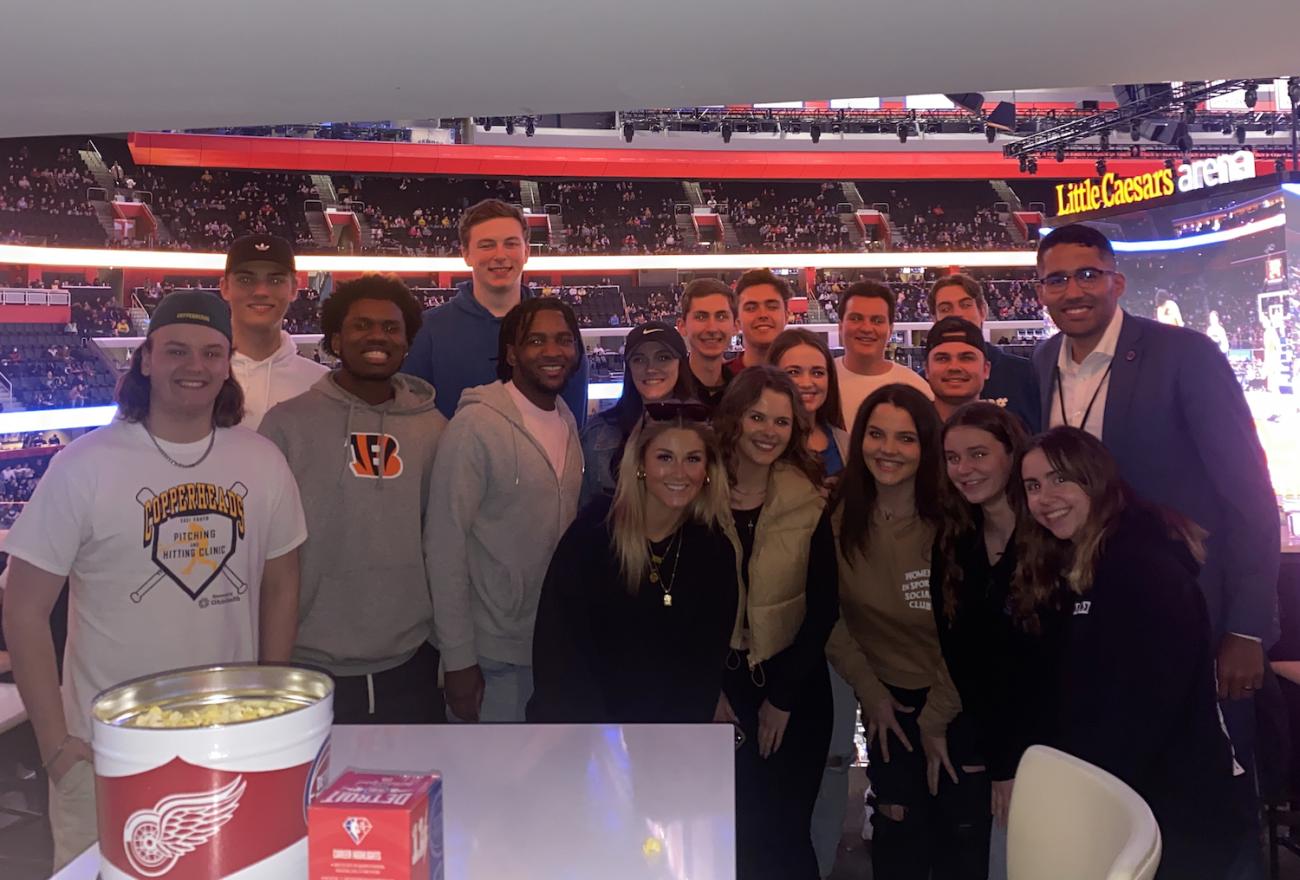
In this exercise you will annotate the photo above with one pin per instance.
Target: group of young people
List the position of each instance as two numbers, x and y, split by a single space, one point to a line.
432 523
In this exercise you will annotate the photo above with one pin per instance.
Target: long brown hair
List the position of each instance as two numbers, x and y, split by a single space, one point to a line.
1045 560
133 389
627 514
830 412
743 392
1007 430
857 491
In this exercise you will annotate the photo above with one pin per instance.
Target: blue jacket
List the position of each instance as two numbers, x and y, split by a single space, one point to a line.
456 348
1012 378
1178 425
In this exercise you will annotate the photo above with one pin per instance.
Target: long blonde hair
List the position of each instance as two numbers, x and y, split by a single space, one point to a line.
627 515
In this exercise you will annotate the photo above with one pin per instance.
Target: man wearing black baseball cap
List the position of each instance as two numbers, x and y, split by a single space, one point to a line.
259 284
178 531
955 364
654 368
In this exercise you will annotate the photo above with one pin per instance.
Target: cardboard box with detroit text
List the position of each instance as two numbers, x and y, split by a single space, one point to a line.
372 825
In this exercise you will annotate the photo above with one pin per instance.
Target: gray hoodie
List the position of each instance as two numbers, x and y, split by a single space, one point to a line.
497 510
363 472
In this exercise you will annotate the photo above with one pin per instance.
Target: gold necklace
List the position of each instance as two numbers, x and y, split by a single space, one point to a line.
655 575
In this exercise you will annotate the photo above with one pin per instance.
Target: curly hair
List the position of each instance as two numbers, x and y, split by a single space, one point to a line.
388 288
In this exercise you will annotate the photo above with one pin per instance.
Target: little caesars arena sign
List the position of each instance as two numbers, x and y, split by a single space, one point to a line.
1113 191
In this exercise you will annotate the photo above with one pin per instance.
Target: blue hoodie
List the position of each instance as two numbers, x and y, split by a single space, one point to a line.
456 349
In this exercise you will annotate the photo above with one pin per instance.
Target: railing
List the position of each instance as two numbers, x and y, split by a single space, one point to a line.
6 388
16 296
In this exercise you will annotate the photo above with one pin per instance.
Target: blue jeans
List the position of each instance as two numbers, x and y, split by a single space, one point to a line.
507 689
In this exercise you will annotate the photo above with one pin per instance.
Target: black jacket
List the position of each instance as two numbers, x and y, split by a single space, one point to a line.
601 655
1137 692
1012 378
1005 685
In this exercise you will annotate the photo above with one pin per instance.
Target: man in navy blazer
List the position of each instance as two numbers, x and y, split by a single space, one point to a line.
1166 404
1011 378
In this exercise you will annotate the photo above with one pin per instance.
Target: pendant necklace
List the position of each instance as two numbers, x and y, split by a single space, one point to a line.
656 576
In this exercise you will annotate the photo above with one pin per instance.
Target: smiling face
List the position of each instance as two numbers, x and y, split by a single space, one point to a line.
891 446
810 373
675 465
1057 504
766 428
186 365
865 328
545 358
1082 312
259 294
497 252
956 372
708 326
978 464
762 314
372 341
654 368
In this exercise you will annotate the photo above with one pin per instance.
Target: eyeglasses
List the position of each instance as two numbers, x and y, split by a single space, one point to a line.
676 410
1087 277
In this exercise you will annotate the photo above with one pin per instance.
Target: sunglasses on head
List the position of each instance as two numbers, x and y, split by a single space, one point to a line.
676 410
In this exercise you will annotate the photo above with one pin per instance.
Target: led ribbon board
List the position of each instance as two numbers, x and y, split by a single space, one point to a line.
1113 191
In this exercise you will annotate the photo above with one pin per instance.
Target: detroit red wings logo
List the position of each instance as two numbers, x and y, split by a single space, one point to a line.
155 840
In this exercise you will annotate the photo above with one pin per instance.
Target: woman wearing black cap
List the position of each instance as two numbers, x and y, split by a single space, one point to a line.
652 370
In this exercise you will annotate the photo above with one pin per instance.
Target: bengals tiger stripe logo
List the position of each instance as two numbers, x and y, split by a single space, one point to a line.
375 455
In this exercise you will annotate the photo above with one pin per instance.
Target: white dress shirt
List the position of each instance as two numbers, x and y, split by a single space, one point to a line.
1085 384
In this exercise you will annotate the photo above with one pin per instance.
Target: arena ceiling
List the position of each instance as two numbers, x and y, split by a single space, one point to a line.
83 67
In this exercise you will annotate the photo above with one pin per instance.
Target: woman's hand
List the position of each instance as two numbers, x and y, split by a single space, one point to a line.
882 720
771 728
936 757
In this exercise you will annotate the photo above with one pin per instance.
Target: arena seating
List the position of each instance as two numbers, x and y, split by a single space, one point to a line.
49 367
418 216
43 187
613 217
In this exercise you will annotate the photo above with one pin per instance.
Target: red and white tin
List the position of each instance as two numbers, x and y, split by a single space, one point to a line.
215 802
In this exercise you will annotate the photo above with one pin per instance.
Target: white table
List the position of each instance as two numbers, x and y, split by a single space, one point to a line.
12 711
561 801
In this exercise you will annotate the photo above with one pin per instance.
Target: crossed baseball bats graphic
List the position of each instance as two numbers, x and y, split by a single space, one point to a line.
144 496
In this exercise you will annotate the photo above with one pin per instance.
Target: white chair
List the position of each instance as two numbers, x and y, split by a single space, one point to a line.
1071 820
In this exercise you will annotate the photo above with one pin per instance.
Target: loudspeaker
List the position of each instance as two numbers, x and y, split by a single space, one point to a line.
971 101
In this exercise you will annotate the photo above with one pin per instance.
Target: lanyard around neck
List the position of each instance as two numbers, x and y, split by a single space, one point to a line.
1059 386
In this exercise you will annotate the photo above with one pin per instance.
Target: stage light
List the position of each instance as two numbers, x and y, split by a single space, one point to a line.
990 133
1105 141
1033 165
1270 127
1189 112
1135 131
1060 154
726 132
1293 90
815 132
530 127
1280 164
1252 96
510 125
1101 167
1024 164
836 128
1240 134
629 131
487 123
1227 126
902 132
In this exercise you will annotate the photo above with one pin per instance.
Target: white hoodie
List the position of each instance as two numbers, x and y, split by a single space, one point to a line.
282 376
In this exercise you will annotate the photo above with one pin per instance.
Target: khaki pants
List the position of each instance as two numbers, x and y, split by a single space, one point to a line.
72 813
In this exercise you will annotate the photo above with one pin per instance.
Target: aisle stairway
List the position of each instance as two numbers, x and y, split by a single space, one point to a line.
852 195
555 231
325 190
530 196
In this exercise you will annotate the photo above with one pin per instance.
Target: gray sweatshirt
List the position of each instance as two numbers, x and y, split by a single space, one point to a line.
497 510
363 472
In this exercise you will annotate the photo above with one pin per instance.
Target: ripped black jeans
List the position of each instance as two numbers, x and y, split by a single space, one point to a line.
944 837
